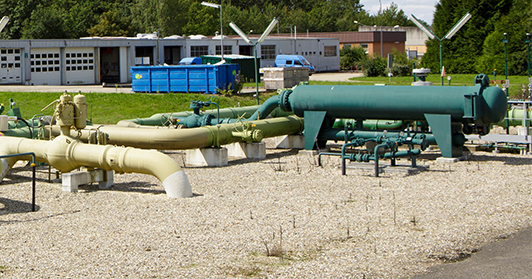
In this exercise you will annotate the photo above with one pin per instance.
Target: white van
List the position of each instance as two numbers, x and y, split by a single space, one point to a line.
293 61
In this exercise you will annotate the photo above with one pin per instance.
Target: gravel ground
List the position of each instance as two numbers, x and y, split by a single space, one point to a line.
282 217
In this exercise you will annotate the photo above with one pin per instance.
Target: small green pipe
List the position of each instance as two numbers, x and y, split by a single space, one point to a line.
370 124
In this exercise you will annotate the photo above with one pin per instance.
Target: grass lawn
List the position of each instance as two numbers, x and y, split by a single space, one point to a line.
109 108
515 91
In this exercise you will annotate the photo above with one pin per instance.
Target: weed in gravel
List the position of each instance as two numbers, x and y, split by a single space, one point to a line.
278 166
248 271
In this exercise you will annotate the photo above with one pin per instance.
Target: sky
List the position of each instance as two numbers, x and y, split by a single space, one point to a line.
422 9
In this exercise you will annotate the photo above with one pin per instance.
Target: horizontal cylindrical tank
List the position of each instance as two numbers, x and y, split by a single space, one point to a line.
398 102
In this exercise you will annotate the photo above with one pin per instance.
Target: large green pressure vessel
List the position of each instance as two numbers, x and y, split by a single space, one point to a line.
462 103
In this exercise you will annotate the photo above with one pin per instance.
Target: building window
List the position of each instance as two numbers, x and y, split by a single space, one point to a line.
198 51
227 50
267 52
329 51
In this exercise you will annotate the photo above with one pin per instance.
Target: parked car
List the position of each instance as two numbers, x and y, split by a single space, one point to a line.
293 61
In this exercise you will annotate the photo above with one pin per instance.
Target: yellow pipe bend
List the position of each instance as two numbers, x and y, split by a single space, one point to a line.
66 154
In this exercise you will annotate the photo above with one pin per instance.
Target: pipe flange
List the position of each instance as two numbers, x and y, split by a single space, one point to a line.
257 135
205 120
284 103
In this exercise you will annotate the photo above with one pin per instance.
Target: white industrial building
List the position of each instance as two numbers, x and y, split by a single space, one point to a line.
95 60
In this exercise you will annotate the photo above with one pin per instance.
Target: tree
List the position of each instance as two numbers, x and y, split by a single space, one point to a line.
462 50
516 24
352 57
44 23
18 12
111 24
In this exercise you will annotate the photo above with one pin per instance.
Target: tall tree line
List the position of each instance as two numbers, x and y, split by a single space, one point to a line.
478 46
64 19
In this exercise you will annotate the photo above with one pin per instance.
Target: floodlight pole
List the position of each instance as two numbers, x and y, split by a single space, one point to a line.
218 6
449 34
382 51
505 41
255 70
527 41
260 40
441 61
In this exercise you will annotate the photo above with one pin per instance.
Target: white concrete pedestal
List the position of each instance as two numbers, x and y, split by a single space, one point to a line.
71 180
290 141
247 150
207 157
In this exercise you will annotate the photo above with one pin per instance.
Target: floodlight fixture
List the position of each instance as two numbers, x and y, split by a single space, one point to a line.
240 33
457 26
268 30
423 27
217 6
212 5
449 35
3 22
260 40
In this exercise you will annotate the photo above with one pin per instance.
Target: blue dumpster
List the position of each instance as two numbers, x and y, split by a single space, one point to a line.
184 78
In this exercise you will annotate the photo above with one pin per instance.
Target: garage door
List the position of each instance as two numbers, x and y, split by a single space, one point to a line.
45 66
10 66
79 66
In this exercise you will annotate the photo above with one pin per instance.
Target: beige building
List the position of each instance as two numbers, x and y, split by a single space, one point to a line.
369 40
415 38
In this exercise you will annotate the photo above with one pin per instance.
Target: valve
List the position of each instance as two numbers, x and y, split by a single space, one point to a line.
68 113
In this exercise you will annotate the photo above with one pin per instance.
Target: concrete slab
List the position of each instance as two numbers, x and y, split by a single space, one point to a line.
247 150
386 167
207 157
71 180
290 142
445 160
313 152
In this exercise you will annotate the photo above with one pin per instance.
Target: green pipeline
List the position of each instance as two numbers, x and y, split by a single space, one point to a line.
165 119
370 124
339 135
516 118
200 137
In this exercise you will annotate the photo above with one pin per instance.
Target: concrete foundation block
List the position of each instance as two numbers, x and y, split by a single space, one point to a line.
71 180
207 157
447 160
247 150
313 152
290 141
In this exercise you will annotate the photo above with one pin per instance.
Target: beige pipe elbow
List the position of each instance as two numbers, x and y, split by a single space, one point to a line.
66 154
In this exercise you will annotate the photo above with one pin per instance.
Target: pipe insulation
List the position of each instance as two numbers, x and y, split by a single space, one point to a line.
66 154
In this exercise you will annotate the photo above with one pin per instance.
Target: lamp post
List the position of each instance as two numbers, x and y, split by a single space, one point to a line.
527 41
217 6
260 40
380 11
449 34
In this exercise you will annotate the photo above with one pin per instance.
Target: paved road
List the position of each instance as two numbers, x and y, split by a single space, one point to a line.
63 88
127 89
334 76
510 259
